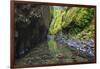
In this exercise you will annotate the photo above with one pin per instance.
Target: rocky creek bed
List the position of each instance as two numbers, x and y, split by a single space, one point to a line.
41 55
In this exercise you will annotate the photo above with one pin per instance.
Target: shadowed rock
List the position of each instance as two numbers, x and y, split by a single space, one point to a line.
31 26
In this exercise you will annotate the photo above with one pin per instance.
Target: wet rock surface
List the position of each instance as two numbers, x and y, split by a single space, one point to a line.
85 47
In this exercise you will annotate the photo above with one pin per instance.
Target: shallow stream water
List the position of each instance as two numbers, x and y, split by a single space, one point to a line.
52 52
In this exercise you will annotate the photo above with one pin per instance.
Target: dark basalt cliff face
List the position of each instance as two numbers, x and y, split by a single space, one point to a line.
31 26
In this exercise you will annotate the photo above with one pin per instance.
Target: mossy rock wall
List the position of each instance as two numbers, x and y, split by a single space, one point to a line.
31 26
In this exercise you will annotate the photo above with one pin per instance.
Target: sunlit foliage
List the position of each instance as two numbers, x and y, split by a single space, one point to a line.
70 19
